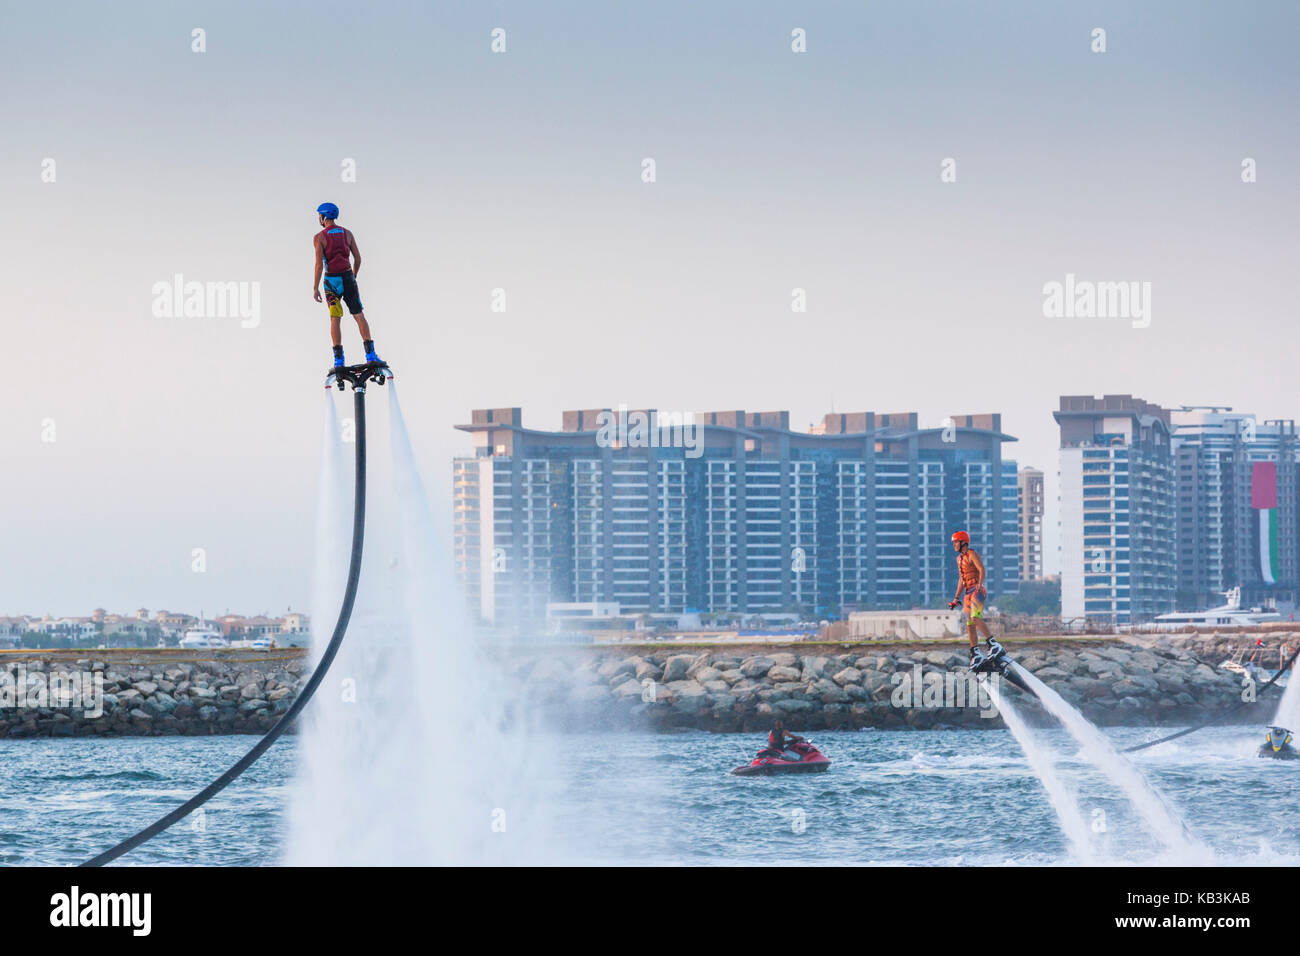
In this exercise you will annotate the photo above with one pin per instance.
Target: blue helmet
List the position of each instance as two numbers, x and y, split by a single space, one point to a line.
328 210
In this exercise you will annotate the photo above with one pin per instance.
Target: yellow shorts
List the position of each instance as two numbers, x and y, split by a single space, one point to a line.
973 602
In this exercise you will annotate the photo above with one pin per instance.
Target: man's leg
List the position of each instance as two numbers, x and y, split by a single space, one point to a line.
977 602
362 325
336 333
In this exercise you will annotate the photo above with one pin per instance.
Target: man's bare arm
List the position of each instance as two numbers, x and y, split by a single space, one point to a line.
979 564
356 254
315 282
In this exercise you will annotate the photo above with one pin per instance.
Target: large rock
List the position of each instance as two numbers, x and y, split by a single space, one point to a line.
793 706
1170 681
1146 660
1089 687
676 667
782 673
649 669
830 692
688 695
813 668
1050 675
631 687
849 675
756 666
614 670
1102 668
1204 674
1127 688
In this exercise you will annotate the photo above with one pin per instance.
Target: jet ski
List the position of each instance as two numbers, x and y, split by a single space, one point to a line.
800 757
1278 745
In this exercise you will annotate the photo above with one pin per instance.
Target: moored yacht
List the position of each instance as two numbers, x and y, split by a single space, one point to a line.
1230 614
203 634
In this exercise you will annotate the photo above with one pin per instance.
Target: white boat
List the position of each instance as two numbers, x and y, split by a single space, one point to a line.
253 644
1230 614
203 635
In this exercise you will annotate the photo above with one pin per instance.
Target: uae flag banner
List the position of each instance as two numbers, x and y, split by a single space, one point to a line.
1263 498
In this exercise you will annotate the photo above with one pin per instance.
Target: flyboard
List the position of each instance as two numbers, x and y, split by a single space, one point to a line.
1002 664
358 375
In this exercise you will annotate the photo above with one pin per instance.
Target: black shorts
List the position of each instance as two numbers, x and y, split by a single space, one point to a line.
343 286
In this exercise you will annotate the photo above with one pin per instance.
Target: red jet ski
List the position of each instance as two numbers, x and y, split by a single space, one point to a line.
801 757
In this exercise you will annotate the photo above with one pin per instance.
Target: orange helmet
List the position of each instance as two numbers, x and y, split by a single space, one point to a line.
961 536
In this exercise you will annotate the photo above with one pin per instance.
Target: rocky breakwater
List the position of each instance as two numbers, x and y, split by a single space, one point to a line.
145 697
1135 681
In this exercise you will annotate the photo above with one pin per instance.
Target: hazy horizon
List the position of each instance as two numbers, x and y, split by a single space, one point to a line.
521 171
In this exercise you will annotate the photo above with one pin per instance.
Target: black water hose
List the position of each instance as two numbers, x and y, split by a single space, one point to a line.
1220 717
283 724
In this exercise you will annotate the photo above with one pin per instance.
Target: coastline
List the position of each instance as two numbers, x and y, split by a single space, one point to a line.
1129 680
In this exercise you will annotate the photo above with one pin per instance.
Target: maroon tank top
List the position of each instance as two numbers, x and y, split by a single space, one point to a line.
335 251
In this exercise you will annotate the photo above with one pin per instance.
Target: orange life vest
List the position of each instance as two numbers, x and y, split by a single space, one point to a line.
966 567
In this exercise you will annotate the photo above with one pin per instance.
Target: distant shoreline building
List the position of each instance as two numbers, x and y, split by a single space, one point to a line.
726 512
1029 486
166 628
1118 509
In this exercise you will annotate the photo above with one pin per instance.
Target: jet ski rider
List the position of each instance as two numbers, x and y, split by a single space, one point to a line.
779 739
1277 744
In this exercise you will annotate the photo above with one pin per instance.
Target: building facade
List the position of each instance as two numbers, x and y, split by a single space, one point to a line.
1237 482
727 512
1029 494
1118 509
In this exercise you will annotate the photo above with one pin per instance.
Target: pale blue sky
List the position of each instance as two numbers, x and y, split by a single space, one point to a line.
521 171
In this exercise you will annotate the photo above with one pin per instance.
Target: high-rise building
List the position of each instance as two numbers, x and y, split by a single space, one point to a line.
1237 505
1118 509
727 511
1029 489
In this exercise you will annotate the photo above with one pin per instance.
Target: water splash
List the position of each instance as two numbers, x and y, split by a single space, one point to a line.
1163 821
405 759
1041 763
1288 708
